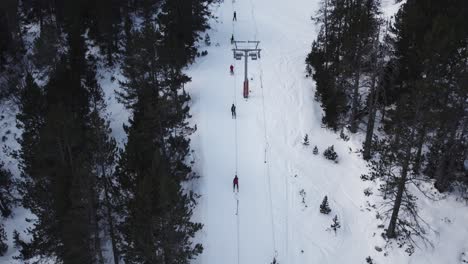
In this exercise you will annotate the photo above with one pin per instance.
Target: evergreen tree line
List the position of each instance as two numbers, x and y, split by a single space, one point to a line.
407 79
105 21
90 198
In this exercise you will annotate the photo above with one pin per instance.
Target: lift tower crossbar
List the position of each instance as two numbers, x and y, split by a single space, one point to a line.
246 49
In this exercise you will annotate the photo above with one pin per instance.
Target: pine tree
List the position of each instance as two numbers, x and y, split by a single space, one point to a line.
315 150
105 200
150 174
379 78
55 174
306 140
107 17
103 149
68 156
324 207
181 24
432 52
6 203
12 50
395 168
359 45
330 154
58 183
339 58
336 224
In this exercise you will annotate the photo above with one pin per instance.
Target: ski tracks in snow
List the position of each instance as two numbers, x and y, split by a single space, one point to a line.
263 147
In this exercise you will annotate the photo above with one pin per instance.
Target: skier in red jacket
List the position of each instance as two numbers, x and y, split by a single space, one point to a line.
232 69
235 184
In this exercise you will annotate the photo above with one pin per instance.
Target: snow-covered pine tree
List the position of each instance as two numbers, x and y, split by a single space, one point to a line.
61 194
324 207
330 154
336 224
104 152
315 150
339 58
306 140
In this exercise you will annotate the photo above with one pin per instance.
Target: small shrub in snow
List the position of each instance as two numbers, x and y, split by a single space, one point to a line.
378 215
324 207
464 257
368 192
369 260
410 250
302 193
274 261
343 135
330 154
315 150
306 140
207 40
336 224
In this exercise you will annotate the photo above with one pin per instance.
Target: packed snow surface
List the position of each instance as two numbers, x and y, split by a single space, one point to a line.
268 217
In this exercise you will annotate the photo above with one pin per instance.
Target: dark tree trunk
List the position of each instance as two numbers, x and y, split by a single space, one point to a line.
370 124
355 104
442 177
110 222
97 238
399 197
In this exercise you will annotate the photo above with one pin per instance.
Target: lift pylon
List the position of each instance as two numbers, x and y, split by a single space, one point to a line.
246 49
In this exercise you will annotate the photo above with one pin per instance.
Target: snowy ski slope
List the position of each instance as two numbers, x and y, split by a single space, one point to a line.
264 146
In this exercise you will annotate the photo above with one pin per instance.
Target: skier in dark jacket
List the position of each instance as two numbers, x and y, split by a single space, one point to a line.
233 111
234 17
231 69
235 184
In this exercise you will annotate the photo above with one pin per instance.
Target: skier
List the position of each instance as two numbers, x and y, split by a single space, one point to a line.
233 111
235 184
232 38
231 68
234 18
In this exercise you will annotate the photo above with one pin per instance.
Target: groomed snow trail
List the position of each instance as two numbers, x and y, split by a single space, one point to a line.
270 126
227 237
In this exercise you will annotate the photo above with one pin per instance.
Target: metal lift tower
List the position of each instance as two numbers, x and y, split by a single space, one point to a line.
246 49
